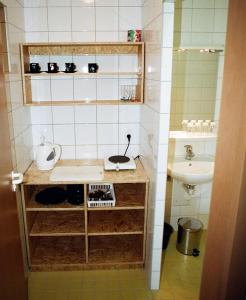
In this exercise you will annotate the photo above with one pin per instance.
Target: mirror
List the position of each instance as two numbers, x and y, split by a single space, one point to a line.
195 88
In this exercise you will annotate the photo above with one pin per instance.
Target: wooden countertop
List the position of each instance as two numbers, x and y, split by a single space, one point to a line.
35 176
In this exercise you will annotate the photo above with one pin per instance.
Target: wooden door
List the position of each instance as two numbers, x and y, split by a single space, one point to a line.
224 275
13 285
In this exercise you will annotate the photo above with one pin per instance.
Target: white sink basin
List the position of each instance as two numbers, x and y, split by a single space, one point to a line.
192 172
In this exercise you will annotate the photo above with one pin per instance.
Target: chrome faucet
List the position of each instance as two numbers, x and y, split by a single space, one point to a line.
189 152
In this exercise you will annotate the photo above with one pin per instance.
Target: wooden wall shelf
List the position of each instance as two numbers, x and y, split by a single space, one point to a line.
35 52
68 237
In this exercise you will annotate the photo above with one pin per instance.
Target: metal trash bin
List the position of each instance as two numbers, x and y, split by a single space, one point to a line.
189 234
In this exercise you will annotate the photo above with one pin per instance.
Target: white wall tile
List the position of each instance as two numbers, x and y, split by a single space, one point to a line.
59 19
63 114
107 150
156 260
35 3
68 152
221 3
59 3
42 130
85 114
107 89
129 114
130 18
83 3
86 134
168 27
106 2
107 36
106 18
130 2
84 89
41 90
128 63
64 134
34 37
158 236
107 114
107 63
41 115
36 20
83 19
202 20
79 36
203 3
107 134
86 152
58 37
220 20
62 89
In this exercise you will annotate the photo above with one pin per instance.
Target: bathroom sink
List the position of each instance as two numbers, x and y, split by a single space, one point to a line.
192 172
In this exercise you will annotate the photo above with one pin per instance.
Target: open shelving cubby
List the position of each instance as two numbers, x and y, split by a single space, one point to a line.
72 237
120 64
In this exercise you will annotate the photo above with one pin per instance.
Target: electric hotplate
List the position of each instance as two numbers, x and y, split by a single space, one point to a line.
119 162
119 159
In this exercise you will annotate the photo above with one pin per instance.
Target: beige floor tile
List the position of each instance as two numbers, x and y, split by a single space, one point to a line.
180 280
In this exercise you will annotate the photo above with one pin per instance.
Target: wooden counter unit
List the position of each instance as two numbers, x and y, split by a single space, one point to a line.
74 237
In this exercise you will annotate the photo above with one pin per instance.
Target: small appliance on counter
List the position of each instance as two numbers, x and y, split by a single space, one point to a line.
119 162
47 155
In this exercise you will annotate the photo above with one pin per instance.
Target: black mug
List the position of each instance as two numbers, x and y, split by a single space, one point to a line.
75 194
35 68
53 68
70 67
92 68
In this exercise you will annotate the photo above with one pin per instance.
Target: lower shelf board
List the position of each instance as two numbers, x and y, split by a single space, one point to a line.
57 251
57 223
101 222
116 249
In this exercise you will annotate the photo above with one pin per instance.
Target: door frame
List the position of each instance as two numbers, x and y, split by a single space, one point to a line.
225 260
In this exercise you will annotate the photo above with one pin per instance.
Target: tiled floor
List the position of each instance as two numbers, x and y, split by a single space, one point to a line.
180 280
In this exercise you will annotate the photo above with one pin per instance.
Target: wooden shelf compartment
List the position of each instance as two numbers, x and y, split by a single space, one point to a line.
83 102
99 74
128 196
29 193
62 223
116 249
75 49
81 48
115 222
57 252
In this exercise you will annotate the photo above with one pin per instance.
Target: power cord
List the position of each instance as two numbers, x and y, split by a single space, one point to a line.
129 141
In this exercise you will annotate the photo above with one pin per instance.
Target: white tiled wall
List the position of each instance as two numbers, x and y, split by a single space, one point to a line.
200 23
194 86
155 122
91 131
19 116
